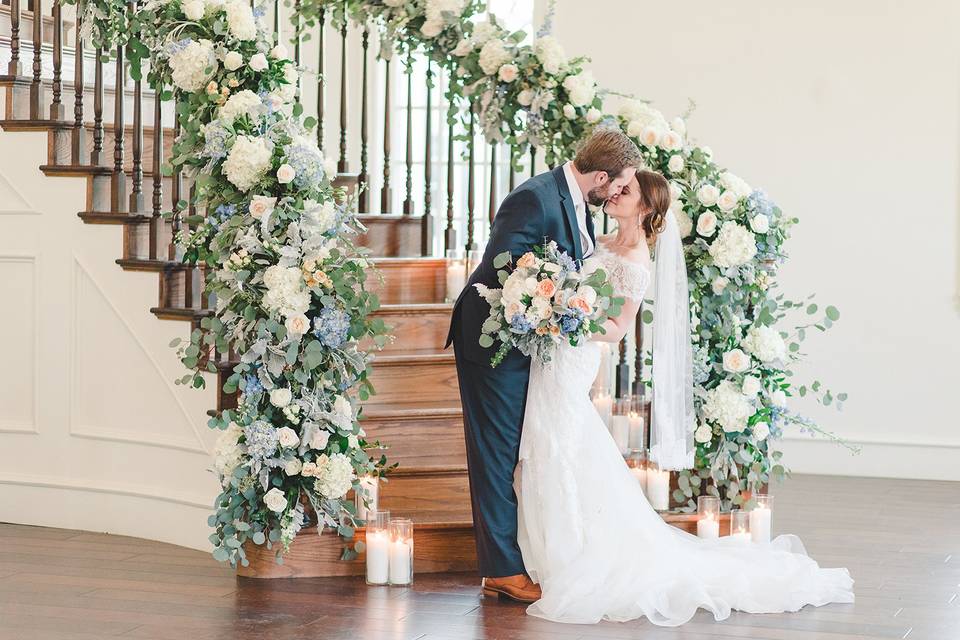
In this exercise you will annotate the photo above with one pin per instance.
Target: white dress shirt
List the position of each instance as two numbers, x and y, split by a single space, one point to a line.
580 206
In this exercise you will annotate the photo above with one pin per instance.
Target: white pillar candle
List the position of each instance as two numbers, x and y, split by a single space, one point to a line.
708 528
741 537
604 405
760 524
401 556
658 489
641 475
636 431
367 496
620 430
456 279
378 557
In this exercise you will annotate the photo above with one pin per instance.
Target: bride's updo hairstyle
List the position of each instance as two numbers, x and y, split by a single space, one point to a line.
655 196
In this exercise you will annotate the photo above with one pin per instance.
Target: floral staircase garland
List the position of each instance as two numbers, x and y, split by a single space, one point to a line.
279 246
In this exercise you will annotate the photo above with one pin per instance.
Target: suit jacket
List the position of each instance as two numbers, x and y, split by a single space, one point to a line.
539 209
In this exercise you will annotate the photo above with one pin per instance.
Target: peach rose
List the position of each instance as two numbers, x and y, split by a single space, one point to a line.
554 330
546 288
527 260
578 303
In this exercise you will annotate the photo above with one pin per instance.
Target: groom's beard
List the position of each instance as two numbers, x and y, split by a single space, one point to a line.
598 196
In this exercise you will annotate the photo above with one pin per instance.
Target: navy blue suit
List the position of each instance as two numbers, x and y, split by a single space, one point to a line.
494 399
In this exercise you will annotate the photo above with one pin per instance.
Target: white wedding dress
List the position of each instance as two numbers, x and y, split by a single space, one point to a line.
594 544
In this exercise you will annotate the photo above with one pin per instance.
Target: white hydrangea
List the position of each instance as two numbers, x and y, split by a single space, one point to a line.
640 115
227 452
240 20
683 219
324 214
550 54
334 475
242 103
482 32
342 412
726 406
734 245
438 13
285 292
192 66
581 88
248 160
752 385
736 184
493 54
765 343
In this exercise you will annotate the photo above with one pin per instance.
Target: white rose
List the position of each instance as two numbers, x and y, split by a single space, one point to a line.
760 431
330 168
293 467
258 62
288 437
320 440
760 223
353 442
508 73
309 469
719 284
281 397
703 433
672 141
708 195
727 201
279 52
634 128
678 125
285 173
683 220
232 61
193 9
297 324
736 361
778 398
751 385
275 500
569 112
593 115
707 224
650 136
676 163
261 206
525 97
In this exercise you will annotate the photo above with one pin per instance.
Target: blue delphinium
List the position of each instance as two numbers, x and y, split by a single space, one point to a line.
570 323
215 138
251 384
306 160
519 323
566 263
331 327
262 440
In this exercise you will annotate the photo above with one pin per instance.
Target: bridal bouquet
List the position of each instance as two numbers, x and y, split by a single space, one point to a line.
544 301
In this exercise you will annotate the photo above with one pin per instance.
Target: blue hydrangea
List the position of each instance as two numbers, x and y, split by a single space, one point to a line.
759 202
176 47
520 324
701 365
251 384
215 138
567 264
262 440
570 323
306 160
331 327
259 11
221 214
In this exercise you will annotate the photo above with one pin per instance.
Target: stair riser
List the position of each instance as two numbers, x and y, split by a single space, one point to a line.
392 237
405 495
422 442
422 382
410 283
417 330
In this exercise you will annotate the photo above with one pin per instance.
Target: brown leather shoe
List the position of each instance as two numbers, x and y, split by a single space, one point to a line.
519 588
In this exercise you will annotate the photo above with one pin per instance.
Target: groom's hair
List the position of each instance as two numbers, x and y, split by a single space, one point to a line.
607 149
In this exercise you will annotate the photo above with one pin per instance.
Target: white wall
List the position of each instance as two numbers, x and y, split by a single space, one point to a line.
847 114
93 433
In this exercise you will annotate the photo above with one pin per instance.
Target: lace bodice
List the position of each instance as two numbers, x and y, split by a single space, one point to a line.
629 279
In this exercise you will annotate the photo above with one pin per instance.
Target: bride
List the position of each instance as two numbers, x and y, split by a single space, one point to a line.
586 532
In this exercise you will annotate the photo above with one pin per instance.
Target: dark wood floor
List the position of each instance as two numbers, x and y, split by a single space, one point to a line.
900 539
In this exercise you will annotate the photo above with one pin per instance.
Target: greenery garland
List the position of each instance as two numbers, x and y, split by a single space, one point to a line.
278 245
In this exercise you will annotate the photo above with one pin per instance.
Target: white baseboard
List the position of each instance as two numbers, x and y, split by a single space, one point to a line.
877 459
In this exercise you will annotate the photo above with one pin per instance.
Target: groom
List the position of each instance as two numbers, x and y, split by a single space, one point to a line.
551 206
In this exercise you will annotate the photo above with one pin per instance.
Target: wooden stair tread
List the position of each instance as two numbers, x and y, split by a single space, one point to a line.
397 358
391 261
34 125
411 410
114 217
414 307
146 264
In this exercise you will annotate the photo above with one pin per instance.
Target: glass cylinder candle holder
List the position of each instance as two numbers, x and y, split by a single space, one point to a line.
620 424
637 463
637 436
456 273
708 517
658 486
761 518
378 547
603 402
740 525
367 496
474 258
401 552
